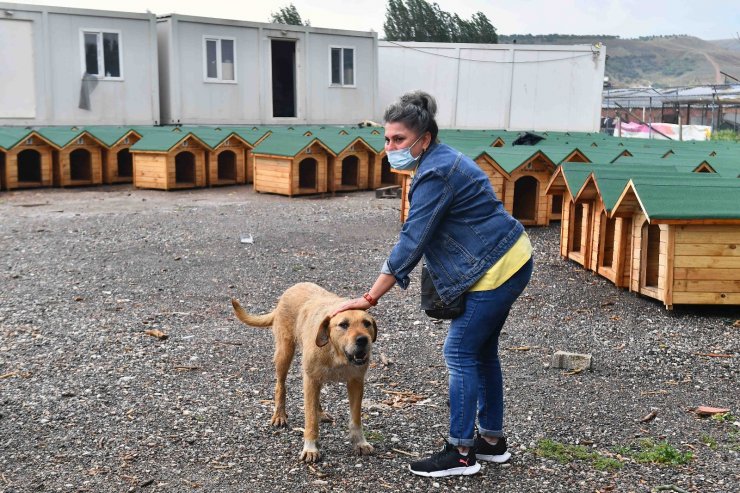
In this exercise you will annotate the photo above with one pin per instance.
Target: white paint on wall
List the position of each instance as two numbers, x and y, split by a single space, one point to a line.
513 87
17 74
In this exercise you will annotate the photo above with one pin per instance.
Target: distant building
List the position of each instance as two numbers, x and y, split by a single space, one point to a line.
216 71
499 86
63 66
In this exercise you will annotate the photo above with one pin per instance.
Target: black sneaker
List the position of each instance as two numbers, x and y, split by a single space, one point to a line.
491 453
448 462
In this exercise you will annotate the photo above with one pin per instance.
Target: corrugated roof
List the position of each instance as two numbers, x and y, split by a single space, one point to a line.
10 136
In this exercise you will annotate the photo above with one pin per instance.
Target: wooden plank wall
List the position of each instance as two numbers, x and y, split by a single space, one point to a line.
565 224
11 164
498 181
272 174
706 268
150 170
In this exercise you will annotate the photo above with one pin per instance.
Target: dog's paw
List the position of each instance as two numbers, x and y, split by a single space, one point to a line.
310 453
363 448
279 419
326 417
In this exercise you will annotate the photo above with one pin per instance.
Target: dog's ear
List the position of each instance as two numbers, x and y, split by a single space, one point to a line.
375 331
322 337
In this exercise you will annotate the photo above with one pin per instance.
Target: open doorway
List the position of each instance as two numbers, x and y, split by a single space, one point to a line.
80 165
29 166
307 174
525 198
387 177
283 78
227 166
185 167
125 164
350 171
651 244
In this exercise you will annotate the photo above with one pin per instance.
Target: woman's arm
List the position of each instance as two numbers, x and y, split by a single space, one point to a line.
382 285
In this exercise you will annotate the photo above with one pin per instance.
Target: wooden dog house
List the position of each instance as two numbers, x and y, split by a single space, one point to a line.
289 164
685 236
118 162
226 162
79 160
26 161
169 160
349 169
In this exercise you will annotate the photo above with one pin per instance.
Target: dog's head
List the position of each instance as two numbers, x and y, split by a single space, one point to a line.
351 334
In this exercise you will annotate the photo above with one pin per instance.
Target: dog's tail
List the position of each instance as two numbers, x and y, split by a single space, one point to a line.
253 320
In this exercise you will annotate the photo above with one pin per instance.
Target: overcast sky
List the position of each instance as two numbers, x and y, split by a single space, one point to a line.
707 19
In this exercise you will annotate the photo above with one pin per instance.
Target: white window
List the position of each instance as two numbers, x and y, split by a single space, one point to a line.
342 66
101 54
219 56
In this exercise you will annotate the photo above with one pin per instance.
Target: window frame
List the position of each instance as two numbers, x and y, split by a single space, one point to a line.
99 32
219 65
341 68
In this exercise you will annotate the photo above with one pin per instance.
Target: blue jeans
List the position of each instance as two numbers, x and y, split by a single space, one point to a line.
471 354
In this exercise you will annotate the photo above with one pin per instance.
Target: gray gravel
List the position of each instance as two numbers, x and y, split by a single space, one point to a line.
89 402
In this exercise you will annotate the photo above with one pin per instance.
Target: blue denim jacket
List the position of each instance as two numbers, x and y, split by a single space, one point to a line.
455 221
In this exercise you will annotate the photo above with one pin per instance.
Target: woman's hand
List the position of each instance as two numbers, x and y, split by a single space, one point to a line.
355 304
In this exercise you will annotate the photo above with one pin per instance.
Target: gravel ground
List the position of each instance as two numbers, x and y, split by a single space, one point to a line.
89 402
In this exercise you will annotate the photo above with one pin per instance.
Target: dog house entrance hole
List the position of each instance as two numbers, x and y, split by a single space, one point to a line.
387 177
651 240
80 166
125 164
185 167
227 166
557 204
283 78
577 227
609 226
525 198
307 173
350 171
29 166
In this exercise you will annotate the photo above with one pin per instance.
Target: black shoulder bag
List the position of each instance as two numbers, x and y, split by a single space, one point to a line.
433 305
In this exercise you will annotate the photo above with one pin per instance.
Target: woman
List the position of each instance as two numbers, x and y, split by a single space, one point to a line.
472 248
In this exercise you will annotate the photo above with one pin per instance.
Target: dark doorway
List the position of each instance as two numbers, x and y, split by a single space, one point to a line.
577 225
387 177
185 167
283 78
80 165
307 173
525 198
227 166
350 171
3 185
609 226
557 204
29 166
125 164
651 240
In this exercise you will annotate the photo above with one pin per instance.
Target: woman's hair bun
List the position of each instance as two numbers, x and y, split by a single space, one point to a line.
420 99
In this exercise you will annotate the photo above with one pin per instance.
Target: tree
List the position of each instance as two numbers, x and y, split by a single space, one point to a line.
418 20
288 15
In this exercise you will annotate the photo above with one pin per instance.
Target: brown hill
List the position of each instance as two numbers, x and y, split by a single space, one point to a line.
655 60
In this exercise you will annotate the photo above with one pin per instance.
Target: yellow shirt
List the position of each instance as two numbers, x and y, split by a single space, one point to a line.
507 266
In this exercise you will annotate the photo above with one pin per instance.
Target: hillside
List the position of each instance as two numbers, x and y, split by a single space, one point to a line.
656 60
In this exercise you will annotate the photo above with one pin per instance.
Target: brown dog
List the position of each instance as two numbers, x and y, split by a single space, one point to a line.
334 349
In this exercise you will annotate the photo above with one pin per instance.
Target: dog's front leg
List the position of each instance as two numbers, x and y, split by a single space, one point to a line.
355 389
311 391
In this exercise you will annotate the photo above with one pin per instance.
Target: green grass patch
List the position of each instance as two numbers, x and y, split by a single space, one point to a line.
725 135
663 453
564 453
724 418
709 441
